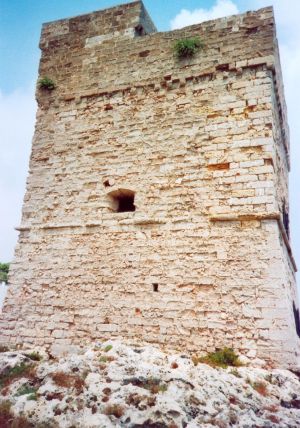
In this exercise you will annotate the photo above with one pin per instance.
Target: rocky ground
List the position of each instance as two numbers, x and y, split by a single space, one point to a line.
115 385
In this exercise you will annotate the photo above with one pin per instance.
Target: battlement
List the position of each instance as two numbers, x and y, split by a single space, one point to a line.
127 20
111 52
119 48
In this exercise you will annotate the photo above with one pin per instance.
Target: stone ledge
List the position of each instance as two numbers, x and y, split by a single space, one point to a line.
245 217
127 221
145 221
260 217
46 227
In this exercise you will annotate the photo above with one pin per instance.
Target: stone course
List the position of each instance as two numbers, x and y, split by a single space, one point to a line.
205 260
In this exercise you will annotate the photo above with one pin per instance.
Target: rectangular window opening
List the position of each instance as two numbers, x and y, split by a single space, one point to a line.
126 203
155 288
122 200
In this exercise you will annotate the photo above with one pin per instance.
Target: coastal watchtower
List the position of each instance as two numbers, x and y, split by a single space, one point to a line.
156 207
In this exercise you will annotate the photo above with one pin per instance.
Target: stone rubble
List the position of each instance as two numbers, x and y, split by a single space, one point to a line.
117 385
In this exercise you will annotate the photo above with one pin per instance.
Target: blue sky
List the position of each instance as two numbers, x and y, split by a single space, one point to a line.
20 26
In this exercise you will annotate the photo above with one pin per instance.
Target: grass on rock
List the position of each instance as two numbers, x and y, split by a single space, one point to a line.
223 358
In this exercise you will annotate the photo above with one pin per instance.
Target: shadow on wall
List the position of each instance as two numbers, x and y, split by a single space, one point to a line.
3 290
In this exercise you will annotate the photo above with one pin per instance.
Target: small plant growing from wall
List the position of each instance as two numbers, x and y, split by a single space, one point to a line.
46 83
187 48
4 268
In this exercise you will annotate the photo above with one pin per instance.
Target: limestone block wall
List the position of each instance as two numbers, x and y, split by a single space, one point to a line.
204 261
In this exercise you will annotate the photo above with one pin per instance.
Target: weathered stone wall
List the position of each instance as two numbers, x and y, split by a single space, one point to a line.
201 143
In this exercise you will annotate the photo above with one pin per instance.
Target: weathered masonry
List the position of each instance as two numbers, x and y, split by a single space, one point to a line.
157 204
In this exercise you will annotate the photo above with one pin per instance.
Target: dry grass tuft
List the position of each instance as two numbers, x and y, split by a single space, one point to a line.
272 408
273 419
17 372
114 410
137 400
261 388
8 420
153 385
62 379
66 380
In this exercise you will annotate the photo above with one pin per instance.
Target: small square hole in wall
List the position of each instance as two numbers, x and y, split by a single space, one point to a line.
139 30
122 201
155 287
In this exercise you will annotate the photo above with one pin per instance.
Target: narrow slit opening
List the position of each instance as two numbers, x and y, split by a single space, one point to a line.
155 288
297 319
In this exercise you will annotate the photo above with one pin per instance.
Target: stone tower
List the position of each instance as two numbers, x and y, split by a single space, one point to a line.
157 206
